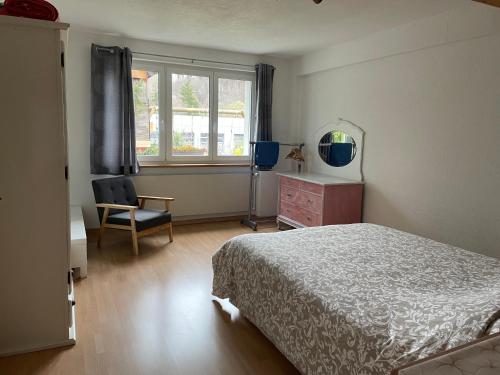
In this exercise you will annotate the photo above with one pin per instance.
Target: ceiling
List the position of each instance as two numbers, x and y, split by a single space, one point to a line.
274 27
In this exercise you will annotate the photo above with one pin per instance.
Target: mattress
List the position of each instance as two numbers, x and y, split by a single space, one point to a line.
359 298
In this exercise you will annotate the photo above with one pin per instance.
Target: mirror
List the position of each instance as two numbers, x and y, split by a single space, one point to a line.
337 148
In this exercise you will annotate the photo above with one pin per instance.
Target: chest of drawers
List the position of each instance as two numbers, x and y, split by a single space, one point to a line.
308 200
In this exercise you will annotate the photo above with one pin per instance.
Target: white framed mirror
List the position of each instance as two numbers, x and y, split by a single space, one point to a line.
340 149
337 148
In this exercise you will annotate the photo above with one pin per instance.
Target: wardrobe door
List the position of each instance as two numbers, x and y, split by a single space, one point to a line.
33 189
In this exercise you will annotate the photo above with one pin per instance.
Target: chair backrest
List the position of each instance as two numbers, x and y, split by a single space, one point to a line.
116 190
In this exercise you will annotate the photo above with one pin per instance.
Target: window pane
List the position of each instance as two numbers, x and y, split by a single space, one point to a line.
147 130
234 113
190 115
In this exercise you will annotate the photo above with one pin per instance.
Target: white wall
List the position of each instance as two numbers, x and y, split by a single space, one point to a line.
428 96
197 192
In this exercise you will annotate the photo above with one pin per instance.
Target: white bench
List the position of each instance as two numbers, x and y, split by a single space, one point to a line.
78 254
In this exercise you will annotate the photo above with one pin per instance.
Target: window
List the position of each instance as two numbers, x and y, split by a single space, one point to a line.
146 105
234 110
204 140
220 144
191 114
238 141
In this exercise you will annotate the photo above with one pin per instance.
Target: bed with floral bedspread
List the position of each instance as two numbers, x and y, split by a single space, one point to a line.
359 298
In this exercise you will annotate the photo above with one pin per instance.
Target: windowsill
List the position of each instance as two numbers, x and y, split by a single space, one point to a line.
151 164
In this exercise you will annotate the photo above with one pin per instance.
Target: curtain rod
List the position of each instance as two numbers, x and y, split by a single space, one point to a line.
193 60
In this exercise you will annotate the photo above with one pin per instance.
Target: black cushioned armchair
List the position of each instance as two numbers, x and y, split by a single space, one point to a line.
119 207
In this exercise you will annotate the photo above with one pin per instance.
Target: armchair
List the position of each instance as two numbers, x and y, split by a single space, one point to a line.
119 207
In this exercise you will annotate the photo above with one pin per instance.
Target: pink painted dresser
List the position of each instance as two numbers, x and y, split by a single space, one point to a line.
308 200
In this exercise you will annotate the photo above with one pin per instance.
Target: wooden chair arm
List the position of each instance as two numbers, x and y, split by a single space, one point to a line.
105 215
116 206
145 198
148 197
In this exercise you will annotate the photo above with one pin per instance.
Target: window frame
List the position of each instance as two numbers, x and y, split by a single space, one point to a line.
165 71
240 76
156 67
170 118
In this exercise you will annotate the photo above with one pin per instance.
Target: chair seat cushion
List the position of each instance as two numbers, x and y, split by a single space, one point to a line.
144 219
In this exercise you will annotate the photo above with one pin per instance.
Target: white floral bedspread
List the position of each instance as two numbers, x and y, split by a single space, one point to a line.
360 298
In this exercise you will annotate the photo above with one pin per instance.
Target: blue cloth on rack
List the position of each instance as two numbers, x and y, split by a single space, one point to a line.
266 154
340 154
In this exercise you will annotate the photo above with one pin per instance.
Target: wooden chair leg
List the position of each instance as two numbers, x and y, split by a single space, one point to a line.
170 232
134 233
99 236
134 242
102 228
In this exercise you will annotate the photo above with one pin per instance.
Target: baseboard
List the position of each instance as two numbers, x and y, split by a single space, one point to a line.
208 218
203 219
196 219
30 349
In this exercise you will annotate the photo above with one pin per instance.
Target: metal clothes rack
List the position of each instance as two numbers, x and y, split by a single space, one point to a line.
254 172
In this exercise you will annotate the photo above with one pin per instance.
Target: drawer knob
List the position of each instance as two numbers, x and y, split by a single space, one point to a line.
289 195
308 218
309 201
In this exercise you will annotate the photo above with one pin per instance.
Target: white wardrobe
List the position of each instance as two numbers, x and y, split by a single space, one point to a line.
36 294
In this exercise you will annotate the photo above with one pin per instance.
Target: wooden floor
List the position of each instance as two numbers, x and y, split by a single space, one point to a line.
154 314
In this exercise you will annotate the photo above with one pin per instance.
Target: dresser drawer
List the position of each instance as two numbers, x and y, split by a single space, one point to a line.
311 202
289 194
312 188
290 211
310 219
291 182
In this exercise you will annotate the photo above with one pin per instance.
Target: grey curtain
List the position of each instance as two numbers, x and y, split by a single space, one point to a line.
264 102
112 134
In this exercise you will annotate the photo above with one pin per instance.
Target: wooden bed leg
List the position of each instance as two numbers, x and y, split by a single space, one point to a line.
170 232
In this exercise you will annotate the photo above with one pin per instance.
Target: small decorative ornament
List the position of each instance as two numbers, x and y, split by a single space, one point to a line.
37 9
297 155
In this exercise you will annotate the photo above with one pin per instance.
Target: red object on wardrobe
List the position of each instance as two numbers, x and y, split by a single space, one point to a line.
38 9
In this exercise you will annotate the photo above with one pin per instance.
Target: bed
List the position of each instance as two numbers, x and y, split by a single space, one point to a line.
358 299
